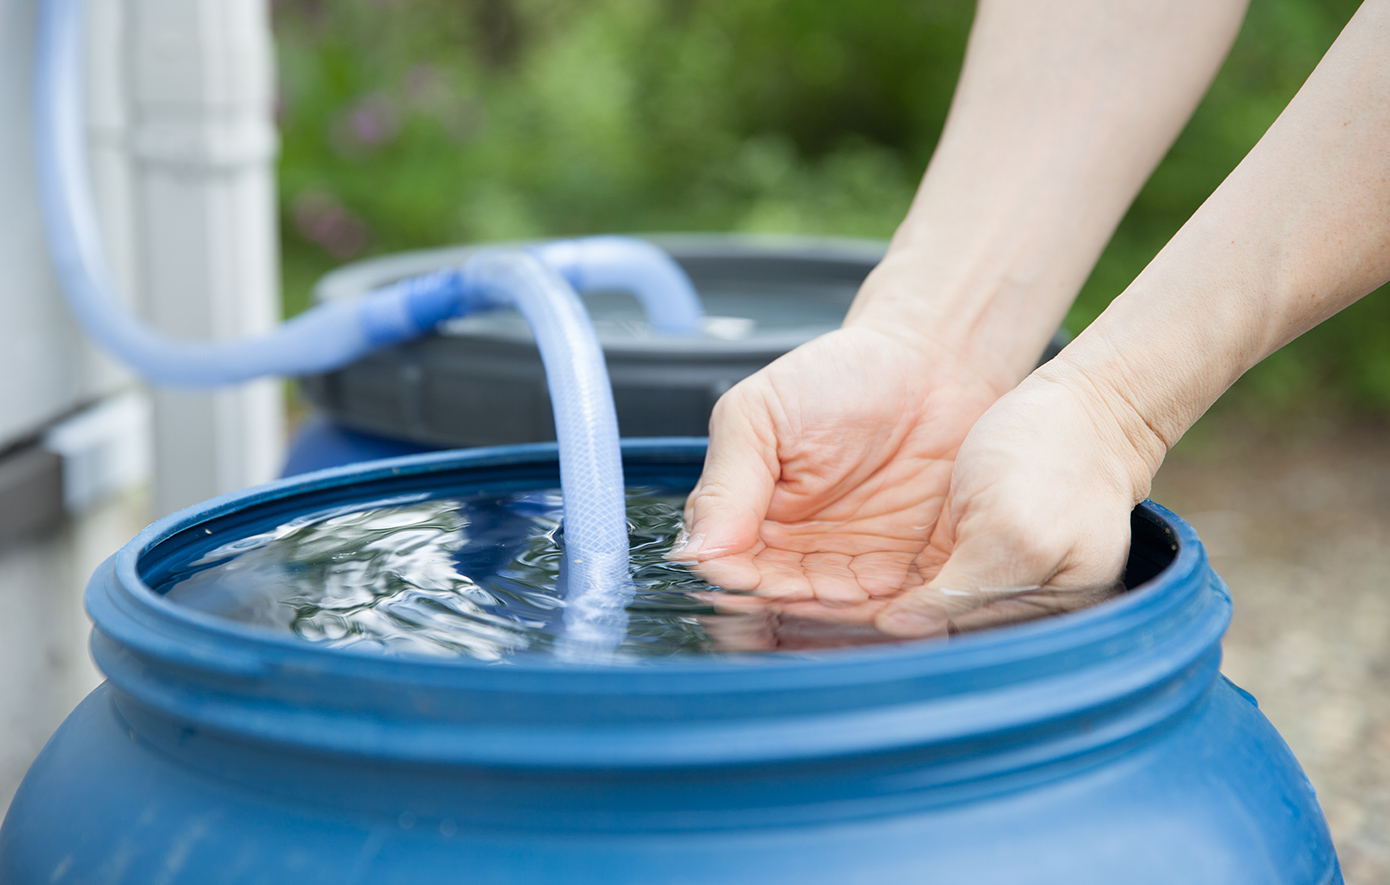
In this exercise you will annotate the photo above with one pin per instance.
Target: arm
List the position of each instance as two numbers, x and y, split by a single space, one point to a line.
827 471
1044 483
1062 111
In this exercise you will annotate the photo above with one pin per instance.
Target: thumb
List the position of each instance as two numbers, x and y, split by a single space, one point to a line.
728 505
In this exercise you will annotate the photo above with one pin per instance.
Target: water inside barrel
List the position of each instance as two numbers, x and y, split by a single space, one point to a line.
482 577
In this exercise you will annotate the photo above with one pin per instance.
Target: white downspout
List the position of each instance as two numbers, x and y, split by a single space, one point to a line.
202 145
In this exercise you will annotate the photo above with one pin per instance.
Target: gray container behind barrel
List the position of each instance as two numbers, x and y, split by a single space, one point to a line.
480 382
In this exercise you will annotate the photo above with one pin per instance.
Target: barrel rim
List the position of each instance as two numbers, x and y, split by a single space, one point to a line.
1121 667
1189 559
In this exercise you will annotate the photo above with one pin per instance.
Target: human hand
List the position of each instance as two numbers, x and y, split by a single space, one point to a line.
828 469
1037 518
745 622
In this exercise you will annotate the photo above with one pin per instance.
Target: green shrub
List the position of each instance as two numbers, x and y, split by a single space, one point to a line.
411 123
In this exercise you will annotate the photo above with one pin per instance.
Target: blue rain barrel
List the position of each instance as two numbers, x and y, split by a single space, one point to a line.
320 443
1100 746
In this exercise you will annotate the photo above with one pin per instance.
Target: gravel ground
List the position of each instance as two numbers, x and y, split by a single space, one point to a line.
1300 530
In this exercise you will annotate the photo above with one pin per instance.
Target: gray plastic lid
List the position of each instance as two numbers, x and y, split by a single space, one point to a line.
480 381
760 292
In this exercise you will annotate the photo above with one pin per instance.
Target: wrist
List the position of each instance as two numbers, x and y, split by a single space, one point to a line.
991 323
1118 427
1166 348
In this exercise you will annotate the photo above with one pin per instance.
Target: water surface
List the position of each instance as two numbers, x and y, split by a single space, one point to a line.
478 577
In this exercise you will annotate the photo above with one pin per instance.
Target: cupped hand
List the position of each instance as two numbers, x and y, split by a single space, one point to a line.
1037 517
827 470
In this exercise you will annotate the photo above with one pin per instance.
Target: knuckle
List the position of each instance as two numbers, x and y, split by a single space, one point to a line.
732 405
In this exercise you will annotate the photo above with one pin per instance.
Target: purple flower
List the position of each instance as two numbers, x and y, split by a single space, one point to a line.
320 217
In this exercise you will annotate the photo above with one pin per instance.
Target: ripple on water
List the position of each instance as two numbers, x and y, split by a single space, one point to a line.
476 577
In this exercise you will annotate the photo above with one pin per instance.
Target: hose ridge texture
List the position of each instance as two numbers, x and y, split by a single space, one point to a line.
586 425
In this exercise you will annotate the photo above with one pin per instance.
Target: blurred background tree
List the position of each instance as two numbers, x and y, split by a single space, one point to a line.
410 123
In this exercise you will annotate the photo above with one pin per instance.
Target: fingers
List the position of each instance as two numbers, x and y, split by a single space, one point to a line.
788 576
727 507
737 571
770 572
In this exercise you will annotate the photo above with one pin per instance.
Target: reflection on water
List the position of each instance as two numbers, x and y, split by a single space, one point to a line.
478 577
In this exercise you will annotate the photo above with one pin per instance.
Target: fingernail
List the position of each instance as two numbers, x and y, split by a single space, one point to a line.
908 624
688 545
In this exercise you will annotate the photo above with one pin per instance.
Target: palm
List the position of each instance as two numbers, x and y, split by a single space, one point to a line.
861 432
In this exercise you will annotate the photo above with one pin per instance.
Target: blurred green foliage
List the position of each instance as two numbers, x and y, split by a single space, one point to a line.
411 123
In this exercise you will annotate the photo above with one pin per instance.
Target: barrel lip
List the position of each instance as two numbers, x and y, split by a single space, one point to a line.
1040 635
164 656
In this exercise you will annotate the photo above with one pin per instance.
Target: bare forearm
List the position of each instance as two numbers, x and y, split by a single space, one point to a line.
1297 232
1062 111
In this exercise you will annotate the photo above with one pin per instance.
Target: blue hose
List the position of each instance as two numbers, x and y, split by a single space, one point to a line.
631 265
596 578
325 338
540 282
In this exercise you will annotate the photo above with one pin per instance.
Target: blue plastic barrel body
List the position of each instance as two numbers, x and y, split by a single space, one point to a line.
1100 746
319 443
